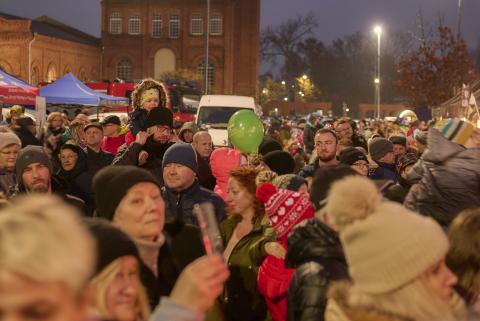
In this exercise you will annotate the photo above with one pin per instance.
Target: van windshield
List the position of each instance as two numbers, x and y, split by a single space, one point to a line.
217 116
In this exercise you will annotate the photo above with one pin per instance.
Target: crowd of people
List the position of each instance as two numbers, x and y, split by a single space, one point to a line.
329 220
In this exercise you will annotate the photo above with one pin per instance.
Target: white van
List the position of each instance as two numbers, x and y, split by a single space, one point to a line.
214 112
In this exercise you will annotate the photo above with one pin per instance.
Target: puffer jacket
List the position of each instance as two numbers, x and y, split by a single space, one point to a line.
316 252
222 162
450 180
273 282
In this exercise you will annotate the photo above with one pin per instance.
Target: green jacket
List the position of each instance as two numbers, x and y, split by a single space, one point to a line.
241 298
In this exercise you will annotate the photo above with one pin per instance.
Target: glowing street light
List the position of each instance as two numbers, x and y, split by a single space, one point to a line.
286 98
283 82
305 77
378 30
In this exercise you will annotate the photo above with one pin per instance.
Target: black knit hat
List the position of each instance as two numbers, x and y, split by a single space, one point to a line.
406 160
111 119
160 116
324 178
379 147
112 183
111 242
399 140
280 162
350 155
269 145
29 155
183 154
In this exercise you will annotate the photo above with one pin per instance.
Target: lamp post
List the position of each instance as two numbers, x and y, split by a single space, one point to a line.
378 31
207 35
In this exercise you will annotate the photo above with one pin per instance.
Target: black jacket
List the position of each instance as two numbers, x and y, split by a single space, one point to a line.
179 205
79 181
97 161
128 155
309 138
27 137
316 252
205 176
59 188
7 182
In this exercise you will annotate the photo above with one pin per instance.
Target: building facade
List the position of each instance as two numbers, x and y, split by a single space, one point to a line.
43 50
147 38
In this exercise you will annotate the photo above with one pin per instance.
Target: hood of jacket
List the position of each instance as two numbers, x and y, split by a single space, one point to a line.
313 241
439 149
80 167
222 161
339 307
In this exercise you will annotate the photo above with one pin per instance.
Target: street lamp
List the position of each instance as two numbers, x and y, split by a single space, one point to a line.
305 77
378 31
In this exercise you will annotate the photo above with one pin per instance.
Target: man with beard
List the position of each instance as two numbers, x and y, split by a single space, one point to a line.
344 130
34 175
149 147
326 144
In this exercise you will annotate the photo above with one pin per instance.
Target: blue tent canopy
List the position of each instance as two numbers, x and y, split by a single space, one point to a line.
70 90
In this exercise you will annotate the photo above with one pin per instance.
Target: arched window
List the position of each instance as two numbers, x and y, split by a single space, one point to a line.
82 75
216 24
115 23
51 73
134 25
210 73
196 25
156 26
124 69
35 77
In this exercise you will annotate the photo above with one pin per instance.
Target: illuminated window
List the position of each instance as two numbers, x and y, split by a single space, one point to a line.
196 25
134 25
156 26
115 23
174 27
216 24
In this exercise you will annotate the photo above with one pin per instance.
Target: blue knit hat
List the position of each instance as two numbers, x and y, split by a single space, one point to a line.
183 154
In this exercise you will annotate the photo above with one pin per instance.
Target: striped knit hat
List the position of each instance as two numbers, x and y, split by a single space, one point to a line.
456 130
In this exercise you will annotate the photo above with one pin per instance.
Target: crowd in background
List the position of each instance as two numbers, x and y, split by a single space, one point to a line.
331 219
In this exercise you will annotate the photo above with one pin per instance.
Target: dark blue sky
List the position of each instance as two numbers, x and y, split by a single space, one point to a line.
336 17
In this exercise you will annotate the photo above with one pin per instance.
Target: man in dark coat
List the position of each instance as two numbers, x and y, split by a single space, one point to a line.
314 249
149 147
9 147
381 152
96 157
202 143
450 176
34 175
182 189
309 133
26 130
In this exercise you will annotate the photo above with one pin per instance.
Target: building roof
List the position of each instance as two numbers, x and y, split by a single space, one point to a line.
50 27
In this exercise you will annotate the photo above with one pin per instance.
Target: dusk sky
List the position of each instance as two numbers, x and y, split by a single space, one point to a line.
336 18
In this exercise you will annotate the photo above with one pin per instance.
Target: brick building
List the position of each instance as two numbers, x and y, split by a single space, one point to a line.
145 38
370 110
286 108
43 50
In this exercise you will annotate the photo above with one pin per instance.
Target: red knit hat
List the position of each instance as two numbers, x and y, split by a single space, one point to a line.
284 208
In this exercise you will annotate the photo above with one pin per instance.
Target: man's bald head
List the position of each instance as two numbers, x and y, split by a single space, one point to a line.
202 142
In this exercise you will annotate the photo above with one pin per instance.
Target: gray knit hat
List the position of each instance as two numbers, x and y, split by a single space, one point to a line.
29 155
9 138
183 154
379 147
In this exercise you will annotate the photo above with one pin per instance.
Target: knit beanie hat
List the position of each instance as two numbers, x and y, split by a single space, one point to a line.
265 177
406 160
379 147
386 245
421 137
9 138
284 208
159 116
291 182
111 243
351 155
112 183
456 130
398 140
29 155
323 180
269 145
181 153
280 162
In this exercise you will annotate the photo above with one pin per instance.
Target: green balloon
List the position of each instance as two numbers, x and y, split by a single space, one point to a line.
245 131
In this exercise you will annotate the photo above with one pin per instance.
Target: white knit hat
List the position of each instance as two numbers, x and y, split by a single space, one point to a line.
386 245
